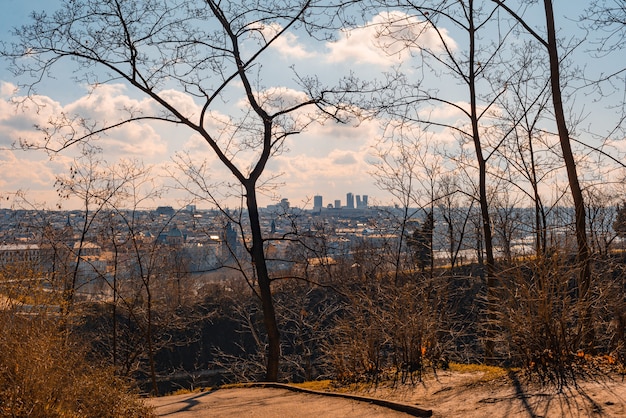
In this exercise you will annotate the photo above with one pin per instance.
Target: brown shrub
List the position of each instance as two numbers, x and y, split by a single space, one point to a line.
44 373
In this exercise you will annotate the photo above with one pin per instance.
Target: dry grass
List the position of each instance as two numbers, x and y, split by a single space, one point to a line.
185 391
320 385
43 373
488 372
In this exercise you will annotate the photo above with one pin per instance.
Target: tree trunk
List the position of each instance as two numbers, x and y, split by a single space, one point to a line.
584 281
267 302
399 252
540 217
490 280
155 387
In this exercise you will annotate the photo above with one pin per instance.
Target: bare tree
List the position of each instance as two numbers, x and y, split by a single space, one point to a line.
607 19
96 186
550 43
475 66
110 196
528 160
507 222
601 217
406 166
454 215
207 50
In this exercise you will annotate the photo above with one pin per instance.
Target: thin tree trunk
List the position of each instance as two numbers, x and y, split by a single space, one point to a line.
490 279
399 252
155 387
540 226
267 302
584 283
115 296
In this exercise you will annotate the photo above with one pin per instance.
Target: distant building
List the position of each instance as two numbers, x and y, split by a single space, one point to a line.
26 255
337 204
173 237
350 201
317 203
281 207
230 242
165 210
89 268
361 203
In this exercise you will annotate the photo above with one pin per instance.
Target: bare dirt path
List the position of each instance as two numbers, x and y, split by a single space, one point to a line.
265 402
449 394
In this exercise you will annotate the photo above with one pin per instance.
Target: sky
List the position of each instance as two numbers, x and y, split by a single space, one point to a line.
329 160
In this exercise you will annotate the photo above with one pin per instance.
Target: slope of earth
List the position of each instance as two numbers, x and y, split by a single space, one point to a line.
259 402
448 394
479 394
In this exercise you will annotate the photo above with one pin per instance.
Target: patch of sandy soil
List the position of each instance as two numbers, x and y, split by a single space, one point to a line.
454 394
259 402
448 394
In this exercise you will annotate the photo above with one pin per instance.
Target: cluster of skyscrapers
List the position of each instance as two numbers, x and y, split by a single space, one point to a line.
360 203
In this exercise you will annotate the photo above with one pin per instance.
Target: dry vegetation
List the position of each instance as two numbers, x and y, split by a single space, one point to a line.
44 372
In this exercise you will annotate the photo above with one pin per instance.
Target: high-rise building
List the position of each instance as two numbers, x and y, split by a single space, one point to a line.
337 204
317 203
358 201
365 201
350 201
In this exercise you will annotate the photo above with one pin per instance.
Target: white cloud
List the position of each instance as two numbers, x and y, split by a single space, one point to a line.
135 140
388 39
182 102
330 158
321 139
331 175
345 158
18 122
275 99
446 113
7 89
16 172
287 45
108 104
618 144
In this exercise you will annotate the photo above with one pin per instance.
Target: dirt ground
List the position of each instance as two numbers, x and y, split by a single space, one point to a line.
265 403
454 394
449 394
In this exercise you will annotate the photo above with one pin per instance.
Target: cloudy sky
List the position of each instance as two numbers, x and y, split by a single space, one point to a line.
330 159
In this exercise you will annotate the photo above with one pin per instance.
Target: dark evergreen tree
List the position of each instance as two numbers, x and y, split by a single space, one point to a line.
619 225
421 242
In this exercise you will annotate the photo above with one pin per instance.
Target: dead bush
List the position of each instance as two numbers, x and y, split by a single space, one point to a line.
543 320
45 373
387 332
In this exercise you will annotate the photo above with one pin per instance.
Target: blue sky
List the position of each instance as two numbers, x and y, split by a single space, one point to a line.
330 159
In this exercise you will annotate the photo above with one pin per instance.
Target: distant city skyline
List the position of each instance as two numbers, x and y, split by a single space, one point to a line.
361 202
